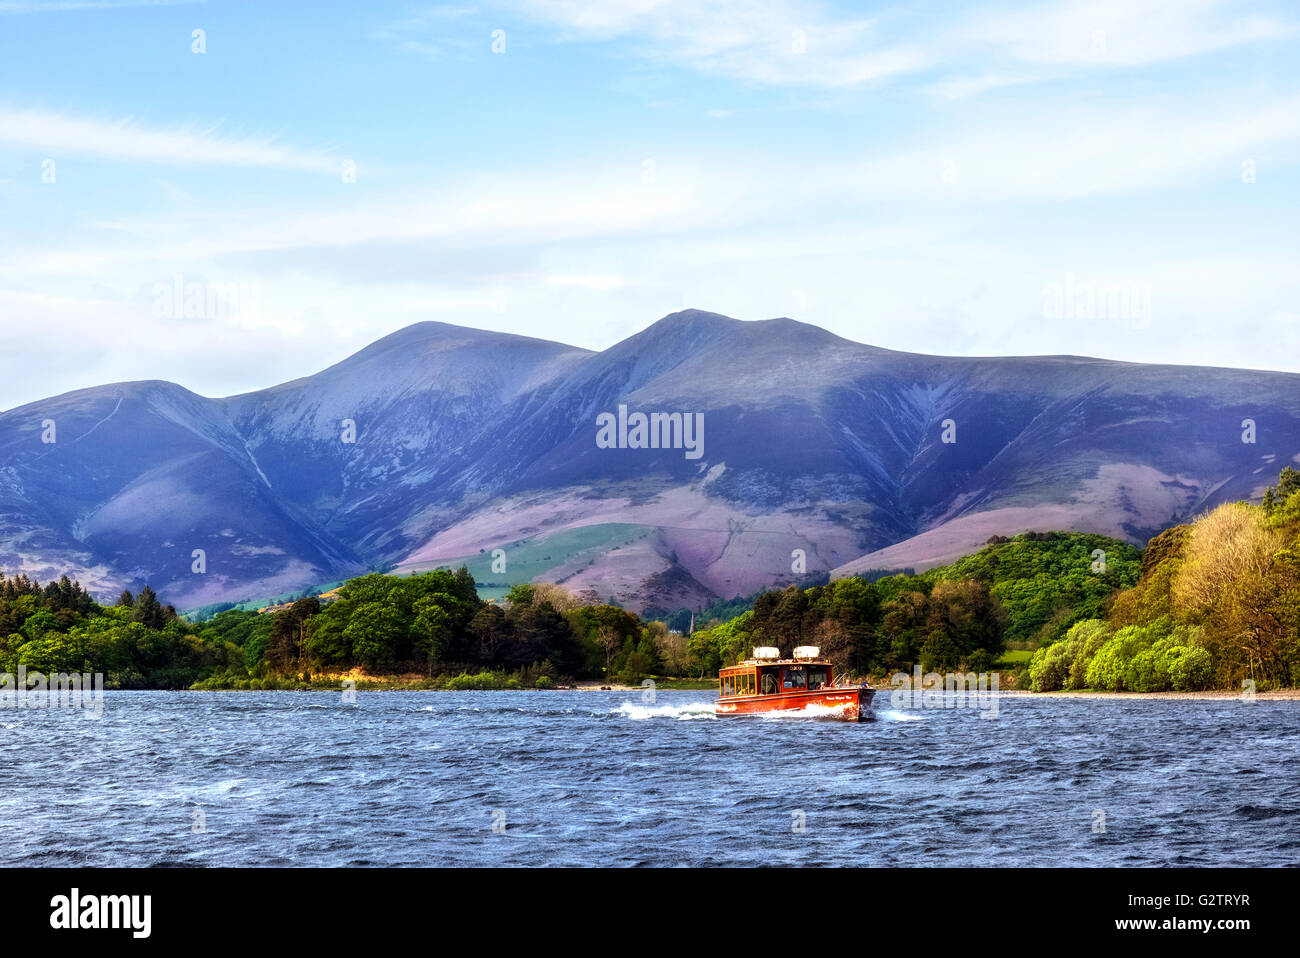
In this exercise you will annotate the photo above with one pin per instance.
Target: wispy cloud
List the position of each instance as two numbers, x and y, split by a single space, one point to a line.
771 42
124 139
959 88
1087 152
803 43
483 211
1102 33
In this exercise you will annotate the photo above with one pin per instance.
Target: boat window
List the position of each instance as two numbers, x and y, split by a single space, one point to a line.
769 683
793 679
816 678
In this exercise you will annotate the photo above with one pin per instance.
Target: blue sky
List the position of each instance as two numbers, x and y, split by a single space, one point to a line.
926 177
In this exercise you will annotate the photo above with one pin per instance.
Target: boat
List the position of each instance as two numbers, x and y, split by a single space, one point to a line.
805 683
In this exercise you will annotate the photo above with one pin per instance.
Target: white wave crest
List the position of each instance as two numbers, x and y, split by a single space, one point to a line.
692 710
891 715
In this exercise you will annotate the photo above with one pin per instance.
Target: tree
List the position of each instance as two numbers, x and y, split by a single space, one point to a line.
431 630
148 610
939 653
969 616
489 633
670 647
287 645
373 631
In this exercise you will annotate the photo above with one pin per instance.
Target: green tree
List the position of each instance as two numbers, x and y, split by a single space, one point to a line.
431 630
373 632
148 610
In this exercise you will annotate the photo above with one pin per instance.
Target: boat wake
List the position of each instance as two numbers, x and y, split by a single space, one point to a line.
891 715
692 710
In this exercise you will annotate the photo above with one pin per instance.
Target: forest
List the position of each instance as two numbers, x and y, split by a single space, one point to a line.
1217 604
1208 604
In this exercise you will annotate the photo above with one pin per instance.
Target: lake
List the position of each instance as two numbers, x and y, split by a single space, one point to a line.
599 778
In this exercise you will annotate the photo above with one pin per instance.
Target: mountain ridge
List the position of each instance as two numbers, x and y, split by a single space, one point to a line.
467 440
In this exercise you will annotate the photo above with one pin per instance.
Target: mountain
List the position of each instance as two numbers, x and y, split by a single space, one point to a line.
439 444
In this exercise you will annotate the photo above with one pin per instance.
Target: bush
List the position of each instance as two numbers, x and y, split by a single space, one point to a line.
1063 665
1192 670
478 682
1109 668
1148 671
1049 668
545 682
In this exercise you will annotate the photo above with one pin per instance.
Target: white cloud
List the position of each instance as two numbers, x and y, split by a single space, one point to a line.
804 43
1122 32
1086 152
477 212
56 134
961 87
773 42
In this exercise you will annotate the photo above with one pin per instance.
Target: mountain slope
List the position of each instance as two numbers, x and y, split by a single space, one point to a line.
467 441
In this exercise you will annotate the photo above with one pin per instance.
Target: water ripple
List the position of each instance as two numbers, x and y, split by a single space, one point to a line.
575 778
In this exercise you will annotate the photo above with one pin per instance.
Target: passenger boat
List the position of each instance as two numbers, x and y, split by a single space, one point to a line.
805 683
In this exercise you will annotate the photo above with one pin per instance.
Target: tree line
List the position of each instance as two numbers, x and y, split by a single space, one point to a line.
1217 605
1016 593
1208 604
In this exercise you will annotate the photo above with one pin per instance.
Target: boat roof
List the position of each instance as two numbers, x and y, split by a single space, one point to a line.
747 662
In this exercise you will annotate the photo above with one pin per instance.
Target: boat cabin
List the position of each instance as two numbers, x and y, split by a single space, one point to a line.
768 674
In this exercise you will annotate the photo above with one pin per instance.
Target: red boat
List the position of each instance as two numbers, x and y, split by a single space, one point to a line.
802 684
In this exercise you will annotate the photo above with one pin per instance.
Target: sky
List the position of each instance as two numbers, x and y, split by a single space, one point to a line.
230 195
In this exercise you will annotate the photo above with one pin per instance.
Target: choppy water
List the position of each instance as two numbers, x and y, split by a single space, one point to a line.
589 778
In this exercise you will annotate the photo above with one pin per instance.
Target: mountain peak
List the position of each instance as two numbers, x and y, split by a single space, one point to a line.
700 324
693 315
432 333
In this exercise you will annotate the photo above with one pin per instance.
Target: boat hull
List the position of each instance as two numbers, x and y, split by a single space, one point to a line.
846 704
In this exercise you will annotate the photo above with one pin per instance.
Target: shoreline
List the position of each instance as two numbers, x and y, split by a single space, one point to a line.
1276 695
410 683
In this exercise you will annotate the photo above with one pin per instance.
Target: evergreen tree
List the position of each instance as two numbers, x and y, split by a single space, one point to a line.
148 610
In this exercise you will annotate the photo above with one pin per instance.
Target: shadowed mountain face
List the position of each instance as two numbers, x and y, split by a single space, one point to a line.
440 444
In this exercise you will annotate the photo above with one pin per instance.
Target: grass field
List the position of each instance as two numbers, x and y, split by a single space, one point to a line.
554 556
1014 659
